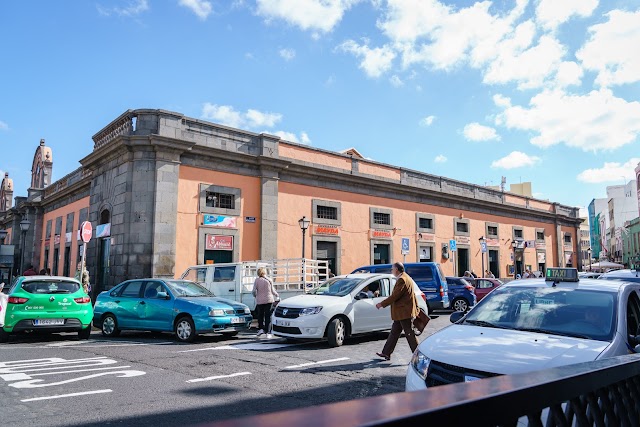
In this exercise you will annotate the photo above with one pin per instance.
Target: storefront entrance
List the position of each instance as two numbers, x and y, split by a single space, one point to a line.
218 249
327 251
494 266
217 257
381 253
463 260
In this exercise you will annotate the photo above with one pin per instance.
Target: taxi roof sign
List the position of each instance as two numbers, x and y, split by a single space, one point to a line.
558 274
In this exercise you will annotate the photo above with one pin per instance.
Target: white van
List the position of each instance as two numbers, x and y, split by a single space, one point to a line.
234 281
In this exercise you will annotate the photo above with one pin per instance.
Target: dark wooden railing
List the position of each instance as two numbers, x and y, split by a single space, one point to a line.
601 393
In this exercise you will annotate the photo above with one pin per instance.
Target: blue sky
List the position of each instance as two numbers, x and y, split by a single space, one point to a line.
545 91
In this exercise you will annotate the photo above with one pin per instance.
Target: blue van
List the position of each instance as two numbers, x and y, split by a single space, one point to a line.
427 275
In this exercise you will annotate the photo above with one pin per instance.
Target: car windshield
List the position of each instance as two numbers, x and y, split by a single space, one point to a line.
338 287
50 287
185 288
568 312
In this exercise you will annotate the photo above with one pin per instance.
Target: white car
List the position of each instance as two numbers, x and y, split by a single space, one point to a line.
529 325
340 307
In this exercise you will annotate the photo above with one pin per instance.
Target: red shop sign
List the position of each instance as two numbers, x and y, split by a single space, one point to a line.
218 243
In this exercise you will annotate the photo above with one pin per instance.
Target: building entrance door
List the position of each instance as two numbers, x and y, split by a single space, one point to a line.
381 254
56 258
67 261
327 251
217 257
103 265
463 260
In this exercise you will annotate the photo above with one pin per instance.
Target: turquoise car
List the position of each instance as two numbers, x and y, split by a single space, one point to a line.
162 305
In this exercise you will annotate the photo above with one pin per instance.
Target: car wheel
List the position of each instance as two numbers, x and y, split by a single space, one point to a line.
460 304
110 326
4 335
185 330
337 332
85 333
230 334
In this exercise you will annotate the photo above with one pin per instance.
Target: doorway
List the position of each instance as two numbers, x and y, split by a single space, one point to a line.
66 267
327 251
217 257
494 266
426 253
56 258
381 253
463 260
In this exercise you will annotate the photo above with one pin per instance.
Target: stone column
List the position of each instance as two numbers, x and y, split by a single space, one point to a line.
269 214
165 210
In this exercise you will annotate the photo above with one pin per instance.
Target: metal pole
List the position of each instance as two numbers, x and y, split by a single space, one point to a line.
24 234
482 258
303 251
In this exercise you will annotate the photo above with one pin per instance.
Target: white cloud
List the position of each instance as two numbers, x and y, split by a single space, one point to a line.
227 115
551 13
440 159
610 172
292 137
569 73
595 121
477 132
3 125
612 50
427 121
375 62
201 8
515 159
502 101
132 9
396 81
314 15
287 54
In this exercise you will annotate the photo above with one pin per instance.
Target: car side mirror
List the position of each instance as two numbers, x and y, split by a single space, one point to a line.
163 295
456 316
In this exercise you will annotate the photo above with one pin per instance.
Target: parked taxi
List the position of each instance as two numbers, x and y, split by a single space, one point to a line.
533 324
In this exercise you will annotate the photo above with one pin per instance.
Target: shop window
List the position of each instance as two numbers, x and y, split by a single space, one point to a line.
220 200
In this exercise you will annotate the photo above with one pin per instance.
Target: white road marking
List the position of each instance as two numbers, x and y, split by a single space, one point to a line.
98 344
79 370
60 396
316 363
245 346
238 374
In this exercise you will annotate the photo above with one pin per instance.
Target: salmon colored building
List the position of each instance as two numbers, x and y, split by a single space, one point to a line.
165 192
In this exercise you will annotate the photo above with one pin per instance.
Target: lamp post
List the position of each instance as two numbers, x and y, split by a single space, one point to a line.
515 244
482 246
304 224
24 227
589 253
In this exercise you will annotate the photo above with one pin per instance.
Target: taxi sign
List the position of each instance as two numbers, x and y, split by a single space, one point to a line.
558 274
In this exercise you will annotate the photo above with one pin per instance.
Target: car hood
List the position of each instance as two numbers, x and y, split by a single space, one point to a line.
214 302
303 301
507 352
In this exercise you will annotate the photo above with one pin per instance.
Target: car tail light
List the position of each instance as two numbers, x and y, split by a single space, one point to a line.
17 300
82 300
441 291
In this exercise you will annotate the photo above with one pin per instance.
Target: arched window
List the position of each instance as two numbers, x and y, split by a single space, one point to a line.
105 217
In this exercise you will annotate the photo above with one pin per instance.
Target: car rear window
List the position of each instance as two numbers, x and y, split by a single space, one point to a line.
50 287
420 273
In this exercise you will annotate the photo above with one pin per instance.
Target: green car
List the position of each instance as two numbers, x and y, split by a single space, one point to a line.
49 304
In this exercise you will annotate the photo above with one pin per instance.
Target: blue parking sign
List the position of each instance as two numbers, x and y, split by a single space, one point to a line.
452 245
483 245
405 246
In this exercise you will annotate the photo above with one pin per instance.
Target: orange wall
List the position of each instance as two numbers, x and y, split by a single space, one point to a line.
295 200
378 170
312 156
74 207
189 220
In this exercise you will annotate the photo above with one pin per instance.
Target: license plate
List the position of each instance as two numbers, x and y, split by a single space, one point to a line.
282 323
237 320
48 322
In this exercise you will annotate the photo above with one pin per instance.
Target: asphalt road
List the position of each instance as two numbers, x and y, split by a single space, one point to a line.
144 379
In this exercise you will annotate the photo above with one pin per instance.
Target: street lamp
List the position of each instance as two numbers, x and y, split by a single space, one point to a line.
516 243
24 227
482 246
589 252
304 224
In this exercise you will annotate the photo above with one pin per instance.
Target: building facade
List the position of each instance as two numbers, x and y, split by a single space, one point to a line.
165 192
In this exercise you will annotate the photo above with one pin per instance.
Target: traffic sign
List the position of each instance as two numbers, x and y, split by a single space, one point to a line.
452 245
405 246
86 231
483 245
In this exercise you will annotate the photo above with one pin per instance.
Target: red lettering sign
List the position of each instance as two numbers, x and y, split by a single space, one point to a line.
327 230
218 243
384 234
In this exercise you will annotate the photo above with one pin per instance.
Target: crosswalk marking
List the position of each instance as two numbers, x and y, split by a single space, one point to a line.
60 396
217 377
322 362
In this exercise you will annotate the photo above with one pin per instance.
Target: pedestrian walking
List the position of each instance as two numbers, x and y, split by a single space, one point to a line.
265 294
82 275
404 308
30 271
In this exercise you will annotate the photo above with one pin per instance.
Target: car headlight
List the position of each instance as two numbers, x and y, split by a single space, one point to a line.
420 364
310 310
247 310
216 312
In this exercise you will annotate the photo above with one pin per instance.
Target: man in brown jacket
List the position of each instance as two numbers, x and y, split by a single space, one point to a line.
403 309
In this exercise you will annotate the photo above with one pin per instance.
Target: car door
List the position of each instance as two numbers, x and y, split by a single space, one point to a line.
483 287
128 305
224 282
198 275
158 310
382 317
365 316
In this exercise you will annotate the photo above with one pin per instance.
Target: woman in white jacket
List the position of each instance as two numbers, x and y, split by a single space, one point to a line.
265 295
